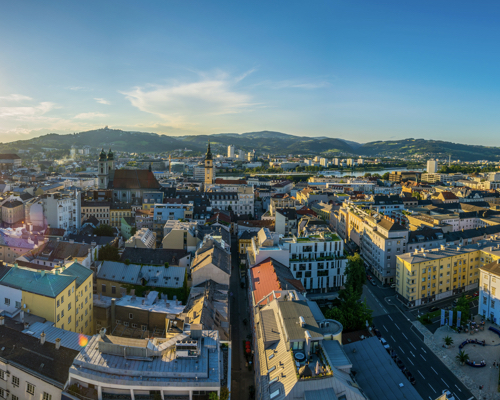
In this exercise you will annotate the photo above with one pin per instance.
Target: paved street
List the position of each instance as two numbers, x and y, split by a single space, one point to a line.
431 374
241 377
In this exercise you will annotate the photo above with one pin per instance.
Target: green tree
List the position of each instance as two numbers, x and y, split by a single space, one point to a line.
104 230
127 261
108 253
448 340
386 176
462 356
166 265
463 306
355 274
351 313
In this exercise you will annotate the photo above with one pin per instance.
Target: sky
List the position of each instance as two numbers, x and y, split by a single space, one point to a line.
356 70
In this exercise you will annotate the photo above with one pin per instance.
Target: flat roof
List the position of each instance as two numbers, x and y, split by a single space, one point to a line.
377 373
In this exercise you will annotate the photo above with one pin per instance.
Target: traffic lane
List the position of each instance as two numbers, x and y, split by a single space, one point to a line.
373 302
446 302
431 375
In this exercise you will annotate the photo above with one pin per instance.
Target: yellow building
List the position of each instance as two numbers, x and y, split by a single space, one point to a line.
62 296
209 167
245 241
117 211
426 276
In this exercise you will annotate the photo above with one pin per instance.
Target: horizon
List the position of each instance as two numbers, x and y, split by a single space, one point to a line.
360 72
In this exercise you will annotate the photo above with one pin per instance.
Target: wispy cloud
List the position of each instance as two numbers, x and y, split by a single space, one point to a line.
101 101
15 97
26 113
299 85
90 115
179 102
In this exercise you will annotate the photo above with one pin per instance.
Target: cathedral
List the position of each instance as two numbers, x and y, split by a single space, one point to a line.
128 185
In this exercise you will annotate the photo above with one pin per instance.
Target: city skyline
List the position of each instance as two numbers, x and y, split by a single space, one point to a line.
358 71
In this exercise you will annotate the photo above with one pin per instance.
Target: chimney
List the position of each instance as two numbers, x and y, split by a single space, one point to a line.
58 343
42 338
302 321
102 332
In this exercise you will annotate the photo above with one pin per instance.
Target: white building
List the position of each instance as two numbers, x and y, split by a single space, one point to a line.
143 239
62 211
489 299
230 151
432 166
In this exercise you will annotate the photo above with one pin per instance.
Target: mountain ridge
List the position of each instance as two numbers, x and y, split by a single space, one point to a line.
263 142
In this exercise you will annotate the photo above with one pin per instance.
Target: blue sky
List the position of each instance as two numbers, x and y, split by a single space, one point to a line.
358 70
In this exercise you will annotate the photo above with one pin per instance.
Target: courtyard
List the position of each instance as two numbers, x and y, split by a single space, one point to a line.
473 377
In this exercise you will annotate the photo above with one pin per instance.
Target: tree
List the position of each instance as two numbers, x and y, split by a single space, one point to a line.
108 253
127 261
166 265
386 176
448 340
462 357
352 313
463 307
355 274
104 230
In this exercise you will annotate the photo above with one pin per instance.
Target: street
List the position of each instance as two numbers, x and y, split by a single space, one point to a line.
431 375
241 377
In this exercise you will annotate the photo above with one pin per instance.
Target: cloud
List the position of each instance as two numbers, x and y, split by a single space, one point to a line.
90 115
300 85
15 97
26 113
192 101
101 101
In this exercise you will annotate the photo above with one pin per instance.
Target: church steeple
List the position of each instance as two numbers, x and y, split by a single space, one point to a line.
209 152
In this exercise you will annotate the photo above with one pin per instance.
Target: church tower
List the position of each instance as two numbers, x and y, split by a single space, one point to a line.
102 170
209 167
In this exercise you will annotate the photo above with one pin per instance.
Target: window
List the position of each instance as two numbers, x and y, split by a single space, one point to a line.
69 292
69 319
46 396
14 397
2 375
69 306
15 381
62 299
2 393
125 323
58 317
492 303
113 289
103 288
484 300
30 388
144 327
58 303
131 316
493 290
7 301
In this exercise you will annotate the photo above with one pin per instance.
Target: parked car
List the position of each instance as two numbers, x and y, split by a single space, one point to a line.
433 308
393 286
476 294
410 377
377 333
448 394
369 277
373 282
400 364
468 297
384 343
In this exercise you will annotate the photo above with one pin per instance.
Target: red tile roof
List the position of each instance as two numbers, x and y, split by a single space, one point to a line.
268 276
134 179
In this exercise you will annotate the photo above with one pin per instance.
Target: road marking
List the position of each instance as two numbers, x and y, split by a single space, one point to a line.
432 387
384 309
404 336
401 349
444 382
423 350
435 371
390 318
393 339
458 398
412 354
456 387
411 362
413 346
385 328
397 326
420 374
423 357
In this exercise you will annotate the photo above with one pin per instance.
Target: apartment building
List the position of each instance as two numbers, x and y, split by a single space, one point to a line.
62 296
426 276
98 209
489 299
117 211
62 210
12 212
143 238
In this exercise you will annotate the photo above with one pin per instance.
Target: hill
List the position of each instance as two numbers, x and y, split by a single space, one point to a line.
263 142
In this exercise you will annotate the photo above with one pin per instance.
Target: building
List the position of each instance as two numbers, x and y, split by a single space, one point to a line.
54 253
244 242
183 363
12 213
143 238
426 276
62 210
209 167
489 300
211 262
230 151
32 368
118 211
15 243
402 176
62 296
179 235
179 258
285 221
98 209
432 166
9 161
